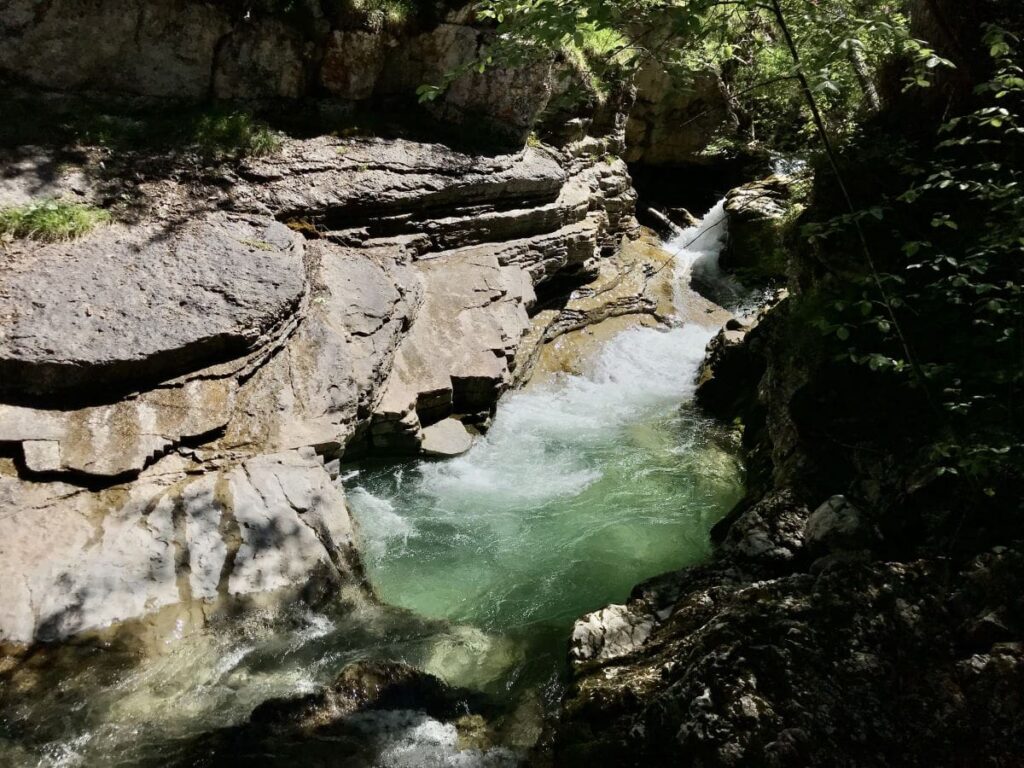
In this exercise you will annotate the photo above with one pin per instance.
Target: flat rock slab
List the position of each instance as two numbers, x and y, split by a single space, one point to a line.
129 307
448 437
73 561
354 179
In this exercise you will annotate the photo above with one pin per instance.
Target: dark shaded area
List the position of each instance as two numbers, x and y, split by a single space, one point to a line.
694 187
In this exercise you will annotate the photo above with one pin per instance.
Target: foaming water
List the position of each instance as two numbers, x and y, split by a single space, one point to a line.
582 487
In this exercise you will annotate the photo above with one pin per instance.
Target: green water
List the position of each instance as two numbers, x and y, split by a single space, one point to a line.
581 489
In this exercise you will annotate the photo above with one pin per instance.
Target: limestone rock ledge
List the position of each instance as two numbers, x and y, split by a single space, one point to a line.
270 528
172 388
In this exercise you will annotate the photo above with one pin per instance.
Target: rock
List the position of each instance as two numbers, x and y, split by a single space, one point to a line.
346 182
163 50
353 62
838 525
263 59
672 123
507 98
468 657
124 307
121 438
796 670
607 634
760 215
446 438
770 532
272 528
359 687
456 358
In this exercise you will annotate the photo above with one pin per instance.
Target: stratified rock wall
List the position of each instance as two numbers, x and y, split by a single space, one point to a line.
173 387
189 51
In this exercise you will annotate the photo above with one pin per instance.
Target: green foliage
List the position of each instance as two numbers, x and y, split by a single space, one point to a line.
953 279
234 134
841 43
50 220
383 14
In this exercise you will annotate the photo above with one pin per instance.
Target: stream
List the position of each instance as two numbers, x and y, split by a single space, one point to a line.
583 486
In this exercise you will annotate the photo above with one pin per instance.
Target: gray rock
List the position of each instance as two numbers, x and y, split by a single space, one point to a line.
838 525
259 60
148 49
610 633
770 532
456 357
448 437
352 181
353 62
128 307
272 528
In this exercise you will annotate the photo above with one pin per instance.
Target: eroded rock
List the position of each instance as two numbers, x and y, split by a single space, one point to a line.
270 528
125 308
446 438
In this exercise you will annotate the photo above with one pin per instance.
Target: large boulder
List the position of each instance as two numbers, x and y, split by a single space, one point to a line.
169 547
127 307
761 216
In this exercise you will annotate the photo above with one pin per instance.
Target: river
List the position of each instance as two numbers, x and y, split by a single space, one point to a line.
584 485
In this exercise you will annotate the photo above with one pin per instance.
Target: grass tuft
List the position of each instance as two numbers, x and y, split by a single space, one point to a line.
236 134
51 220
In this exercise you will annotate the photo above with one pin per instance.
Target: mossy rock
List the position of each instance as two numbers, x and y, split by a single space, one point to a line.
761 216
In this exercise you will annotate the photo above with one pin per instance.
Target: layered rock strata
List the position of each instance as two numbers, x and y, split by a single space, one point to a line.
173 387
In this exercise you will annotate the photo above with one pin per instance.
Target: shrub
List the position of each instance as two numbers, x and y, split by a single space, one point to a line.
235 134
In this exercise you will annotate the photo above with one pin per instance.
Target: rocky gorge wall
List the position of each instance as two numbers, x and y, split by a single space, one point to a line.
265 53
173 385
186 51
851 615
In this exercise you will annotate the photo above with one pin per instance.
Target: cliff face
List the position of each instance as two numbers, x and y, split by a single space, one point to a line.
187 51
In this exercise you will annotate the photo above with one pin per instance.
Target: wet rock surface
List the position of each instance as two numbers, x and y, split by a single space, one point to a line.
373 713
862 663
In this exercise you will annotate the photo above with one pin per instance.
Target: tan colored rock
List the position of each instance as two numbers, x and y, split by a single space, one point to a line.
448 437
456 357
116 439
